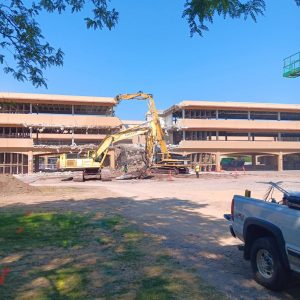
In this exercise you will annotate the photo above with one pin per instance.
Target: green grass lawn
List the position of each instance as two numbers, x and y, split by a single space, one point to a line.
53 255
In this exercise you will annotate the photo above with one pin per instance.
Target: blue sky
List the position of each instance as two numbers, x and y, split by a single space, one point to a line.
151 50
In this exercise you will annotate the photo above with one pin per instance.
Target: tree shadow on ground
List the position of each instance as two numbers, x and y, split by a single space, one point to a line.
197 241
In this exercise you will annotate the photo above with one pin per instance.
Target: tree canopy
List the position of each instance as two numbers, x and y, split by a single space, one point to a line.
25 53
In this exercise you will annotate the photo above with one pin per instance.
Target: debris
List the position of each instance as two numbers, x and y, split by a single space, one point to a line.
131 155
10 185
127 177
67 179
138 174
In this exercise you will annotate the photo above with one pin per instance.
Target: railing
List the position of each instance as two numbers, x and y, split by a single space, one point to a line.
52 143
291 66
16 136
48 167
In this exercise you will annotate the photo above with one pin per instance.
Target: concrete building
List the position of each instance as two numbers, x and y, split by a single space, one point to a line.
35 128
139 139
33 125
268 133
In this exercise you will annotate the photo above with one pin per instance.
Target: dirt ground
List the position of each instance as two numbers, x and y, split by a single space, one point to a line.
9 185
187 213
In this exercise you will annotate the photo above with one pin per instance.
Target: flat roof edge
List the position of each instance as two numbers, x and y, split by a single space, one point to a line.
56 97
236 105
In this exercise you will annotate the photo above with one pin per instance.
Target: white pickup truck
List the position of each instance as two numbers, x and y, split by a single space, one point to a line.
270 231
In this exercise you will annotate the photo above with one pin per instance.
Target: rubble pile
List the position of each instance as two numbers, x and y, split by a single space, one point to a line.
131 155
11 185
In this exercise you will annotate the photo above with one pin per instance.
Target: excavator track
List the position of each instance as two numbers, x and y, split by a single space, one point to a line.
78 176
158 170
106 174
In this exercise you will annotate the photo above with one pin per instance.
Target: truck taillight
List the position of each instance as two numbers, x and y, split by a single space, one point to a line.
232 209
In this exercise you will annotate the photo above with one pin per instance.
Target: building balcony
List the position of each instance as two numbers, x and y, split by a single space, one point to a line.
65 121
245 106
57 136
238 125
16 143
239 146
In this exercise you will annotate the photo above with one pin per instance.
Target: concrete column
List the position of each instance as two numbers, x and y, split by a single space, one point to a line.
218 162
217 114
253 160
30 162
46 161
171 138
249 136
249 115
183 114
217 135
72 136
30 108
18 164
183 135
73 110
112 160
36 163
280 162
279 136
279 116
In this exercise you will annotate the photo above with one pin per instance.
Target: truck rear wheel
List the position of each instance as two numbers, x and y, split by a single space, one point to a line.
267 266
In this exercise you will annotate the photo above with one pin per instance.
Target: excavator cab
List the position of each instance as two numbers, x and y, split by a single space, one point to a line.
174 163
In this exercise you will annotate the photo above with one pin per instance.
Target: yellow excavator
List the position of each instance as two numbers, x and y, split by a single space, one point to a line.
91 165
164 161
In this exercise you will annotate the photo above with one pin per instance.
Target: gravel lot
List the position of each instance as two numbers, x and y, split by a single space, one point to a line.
186 213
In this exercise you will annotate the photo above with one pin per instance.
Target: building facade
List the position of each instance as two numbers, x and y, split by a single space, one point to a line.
34 126
138 139
35 129
268 133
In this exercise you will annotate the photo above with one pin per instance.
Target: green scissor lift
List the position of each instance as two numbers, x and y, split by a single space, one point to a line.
291 66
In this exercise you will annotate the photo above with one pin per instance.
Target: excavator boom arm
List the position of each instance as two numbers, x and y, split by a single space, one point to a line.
156 129
119 136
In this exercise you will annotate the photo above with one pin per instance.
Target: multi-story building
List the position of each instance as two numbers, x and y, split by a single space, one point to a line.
34 129
33 125
138 139
269 133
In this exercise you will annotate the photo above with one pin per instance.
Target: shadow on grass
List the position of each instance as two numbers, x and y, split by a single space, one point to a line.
131 249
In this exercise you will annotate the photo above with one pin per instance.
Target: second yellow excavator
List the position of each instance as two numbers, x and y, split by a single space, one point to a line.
163 160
